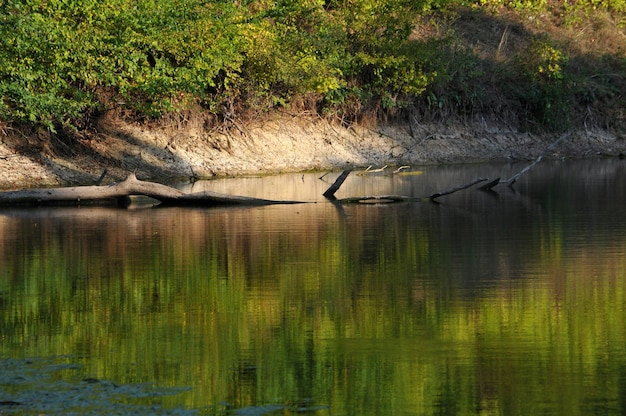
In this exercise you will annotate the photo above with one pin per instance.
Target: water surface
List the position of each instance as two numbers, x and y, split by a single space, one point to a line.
487 303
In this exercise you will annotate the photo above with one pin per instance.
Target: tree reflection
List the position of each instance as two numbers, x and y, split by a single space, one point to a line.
414 308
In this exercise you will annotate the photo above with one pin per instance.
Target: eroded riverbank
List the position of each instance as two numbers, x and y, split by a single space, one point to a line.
281 144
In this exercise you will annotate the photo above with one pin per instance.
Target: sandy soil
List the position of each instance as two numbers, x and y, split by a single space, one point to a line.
282 144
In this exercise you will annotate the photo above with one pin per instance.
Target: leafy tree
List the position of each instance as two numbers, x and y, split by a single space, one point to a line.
63 60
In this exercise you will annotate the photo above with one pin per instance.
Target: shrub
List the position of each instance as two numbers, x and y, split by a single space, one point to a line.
63 60
546 91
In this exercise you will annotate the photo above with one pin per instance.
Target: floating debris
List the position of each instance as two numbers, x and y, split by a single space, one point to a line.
411 173
401 168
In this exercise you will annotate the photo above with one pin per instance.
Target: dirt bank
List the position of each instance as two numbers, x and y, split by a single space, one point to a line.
281 144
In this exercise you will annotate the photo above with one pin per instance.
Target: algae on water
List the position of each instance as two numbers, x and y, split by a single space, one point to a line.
54 386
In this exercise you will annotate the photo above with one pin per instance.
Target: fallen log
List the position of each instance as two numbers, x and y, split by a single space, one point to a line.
117 194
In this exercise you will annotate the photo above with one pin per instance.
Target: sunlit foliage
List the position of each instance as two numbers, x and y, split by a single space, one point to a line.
64 61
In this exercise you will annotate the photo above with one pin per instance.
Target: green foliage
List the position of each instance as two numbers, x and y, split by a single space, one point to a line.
520 5
296 49
34 55
455 87
616 6
57 55
341 51
385 63
62 61
546 92
543 62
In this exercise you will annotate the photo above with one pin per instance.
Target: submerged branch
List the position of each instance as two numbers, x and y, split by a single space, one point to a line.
514 178
456 189
377 199
330 193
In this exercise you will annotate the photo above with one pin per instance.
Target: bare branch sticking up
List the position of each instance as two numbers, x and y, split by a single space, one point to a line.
330 192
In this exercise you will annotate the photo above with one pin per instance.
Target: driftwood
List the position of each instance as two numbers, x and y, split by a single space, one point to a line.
117 194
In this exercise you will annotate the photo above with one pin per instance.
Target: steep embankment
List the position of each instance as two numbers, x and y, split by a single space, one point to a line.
281 144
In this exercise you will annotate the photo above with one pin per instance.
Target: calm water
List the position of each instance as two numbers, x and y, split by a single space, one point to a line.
485 304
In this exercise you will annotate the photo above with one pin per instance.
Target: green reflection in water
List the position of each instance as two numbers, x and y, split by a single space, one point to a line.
403 309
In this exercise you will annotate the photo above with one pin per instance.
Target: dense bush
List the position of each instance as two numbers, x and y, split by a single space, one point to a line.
59 56
61 61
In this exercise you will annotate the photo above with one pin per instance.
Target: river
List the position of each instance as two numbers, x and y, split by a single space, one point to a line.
485 303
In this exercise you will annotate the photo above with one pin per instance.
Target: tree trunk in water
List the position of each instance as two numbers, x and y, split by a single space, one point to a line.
118 193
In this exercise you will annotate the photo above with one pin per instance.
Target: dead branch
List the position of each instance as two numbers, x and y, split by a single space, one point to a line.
401 168
456 189
330 193
489 185
514 178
